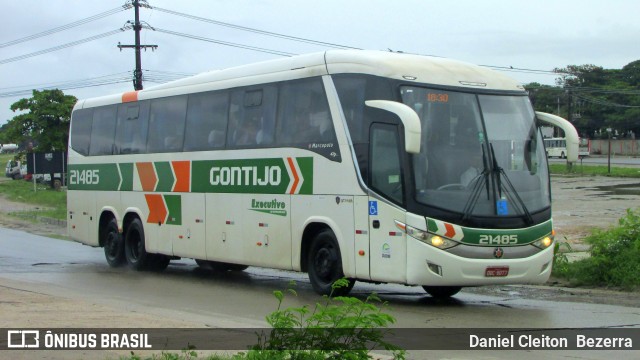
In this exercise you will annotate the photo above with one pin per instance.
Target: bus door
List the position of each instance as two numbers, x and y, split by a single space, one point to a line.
362 250
388 249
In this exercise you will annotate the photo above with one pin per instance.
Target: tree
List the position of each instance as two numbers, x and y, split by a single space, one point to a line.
45 121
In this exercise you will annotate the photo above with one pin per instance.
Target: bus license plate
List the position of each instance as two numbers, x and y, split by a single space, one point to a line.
496 271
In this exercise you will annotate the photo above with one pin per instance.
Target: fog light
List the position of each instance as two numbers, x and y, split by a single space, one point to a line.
436 269
544 267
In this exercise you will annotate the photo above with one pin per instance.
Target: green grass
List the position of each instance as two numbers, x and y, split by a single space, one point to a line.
594 170
614 257
53 203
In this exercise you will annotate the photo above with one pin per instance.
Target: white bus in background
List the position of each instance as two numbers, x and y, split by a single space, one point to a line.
8 148
557 147
374 166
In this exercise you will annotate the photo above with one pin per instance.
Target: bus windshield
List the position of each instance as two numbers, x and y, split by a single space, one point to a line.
481 155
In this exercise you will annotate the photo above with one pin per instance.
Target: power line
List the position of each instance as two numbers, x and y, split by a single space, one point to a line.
226 43
116 78
68 26
523 70
253 30
605 102
63 46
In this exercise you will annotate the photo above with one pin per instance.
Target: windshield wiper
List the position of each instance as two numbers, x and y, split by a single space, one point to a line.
510 189
477 188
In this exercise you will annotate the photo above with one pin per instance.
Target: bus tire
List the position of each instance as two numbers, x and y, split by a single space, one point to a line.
134 249
113 244
325 265
442 292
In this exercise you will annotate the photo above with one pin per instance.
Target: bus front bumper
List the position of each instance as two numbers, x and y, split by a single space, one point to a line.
430 266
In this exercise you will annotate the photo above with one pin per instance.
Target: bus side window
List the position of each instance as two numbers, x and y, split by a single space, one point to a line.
386 170
166 124
206 121
131 131
252 117
103 131
81 130
304 116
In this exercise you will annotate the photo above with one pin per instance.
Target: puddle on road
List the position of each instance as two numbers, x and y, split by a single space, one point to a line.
608 190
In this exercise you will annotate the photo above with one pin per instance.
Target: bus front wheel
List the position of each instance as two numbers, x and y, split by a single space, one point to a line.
442 292
134 249
325 265
113 245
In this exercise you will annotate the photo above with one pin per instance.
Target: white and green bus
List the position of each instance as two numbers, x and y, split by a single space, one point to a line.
556 147
374 166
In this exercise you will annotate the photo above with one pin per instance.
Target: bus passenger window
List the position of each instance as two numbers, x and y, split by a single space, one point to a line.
206 121
252 117
166 124
81 130
103 131
131 131
304 116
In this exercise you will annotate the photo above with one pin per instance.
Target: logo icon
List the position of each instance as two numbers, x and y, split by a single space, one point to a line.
373 208
498 253
386 251
21 339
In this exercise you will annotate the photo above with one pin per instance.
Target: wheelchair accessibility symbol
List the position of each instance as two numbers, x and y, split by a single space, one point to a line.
373 208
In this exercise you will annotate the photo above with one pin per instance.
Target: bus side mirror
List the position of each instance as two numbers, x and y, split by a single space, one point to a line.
409 118
570 133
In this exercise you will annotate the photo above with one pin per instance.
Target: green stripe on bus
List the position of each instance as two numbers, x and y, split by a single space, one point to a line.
473 236
174 207
165 176
126 170
94 177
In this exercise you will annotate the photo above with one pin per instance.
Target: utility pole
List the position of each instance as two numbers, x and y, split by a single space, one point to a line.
570 115
137 26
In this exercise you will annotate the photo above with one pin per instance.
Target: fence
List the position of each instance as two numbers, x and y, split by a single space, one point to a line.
618 147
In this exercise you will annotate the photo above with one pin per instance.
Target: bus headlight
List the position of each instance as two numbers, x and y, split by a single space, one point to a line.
543 243
430 239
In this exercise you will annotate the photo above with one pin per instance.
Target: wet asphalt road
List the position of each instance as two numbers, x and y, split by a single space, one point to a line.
186 292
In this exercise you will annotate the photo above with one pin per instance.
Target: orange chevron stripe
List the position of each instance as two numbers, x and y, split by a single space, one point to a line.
296 178
147 176
451 231
157 211
182 169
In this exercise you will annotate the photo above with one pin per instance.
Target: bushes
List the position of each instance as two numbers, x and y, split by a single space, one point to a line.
339 328
614 260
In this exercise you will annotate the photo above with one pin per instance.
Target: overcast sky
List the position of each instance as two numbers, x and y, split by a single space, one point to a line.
539 35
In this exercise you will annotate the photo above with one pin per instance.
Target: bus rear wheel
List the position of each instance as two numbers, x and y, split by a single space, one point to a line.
113 245
442 292
134 249
325 265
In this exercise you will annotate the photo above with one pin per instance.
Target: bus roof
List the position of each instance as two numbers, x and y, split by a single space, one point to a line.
407 67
